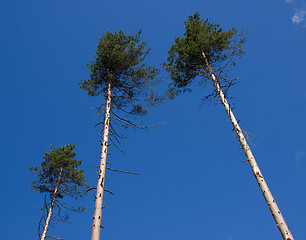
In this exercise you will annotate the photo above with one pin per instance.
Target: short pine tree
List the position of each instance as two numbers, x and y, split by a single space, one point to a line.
58 177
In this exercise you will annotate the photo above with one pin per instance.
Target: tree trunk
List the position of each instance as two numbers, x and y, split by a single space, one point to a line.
96 227
43 236
280 222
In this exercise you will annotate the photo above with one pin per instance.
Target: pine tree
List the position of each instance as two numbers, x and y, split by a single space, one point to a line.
204 53
118 73
58 177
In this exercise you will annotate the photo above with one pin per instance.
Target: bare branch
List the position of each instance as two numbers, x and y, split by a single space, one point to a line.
99 123
128 123
116 145
55 238
96 109
116 170
119 107
89 189
109 192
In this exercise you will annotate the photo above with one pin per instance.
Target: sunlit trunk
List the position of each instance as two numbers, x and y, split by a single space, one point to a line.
96 227
43 236
280 222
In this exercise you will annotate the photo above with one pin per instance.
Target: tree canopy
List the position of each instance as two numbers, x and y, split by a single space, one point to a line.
185 61
58 161
119 61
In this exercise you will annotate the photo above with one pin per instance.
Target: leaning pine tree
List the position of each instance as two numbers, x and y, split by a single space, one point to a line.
118 73
204 53
58 177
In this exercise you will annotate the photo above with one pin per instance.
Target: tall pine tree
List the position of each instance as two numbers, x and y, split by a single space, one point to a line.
204 53
118 74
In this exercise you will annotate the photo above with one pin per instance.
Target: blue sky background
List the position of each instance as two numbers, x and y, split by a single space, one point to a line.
193 183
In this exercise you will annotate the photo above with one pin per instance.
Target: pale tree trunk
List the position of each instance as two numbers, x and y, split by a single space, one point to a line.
280 222
96 227
43 236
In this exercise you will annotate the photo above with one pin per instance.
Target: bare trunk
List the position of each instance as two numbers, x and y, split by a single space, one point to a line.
280 222
43 236
96 227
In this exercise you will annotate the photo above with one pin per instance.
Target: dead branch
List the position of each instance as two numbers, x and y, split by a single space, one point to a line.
116 170
109 192
111 140
96 109
55 238
98 123
89 189
119 107
136 126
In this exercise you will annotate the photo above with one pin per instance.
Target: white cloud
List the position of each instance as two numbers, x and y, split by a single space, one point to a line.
299 156
289 1
299 16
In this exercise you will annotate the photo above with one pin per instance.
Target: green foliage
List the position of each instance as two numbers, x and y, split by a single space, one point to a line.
119 61
185 61
60 168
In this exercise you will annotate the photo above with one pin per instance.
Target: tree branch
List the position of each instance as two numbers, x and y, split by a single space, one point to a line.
55 238
116 170
128 123
109 192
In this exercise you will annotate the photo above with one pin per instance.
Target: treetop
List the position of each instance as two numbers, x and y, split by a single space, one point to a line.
119 61
59 165
186 61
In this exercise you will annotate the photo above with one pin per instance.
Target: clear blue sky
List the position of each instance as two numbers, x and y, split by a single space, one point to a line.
193 183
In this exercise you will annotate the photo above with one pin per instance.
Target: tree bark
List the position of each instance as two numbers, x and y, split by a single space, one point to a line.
43 236
96 227
280 222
